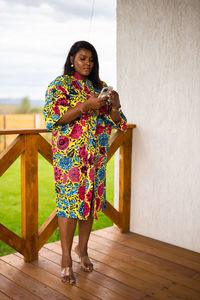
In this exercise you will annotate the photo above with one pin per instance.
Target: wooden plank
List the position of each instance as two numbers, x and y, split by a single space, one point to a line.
125 166
126 267
29 197
84 282
170 288
111 256
48 228
11 239
45 149
113 233
112 213
4 296
141 256
115 142
172 272
13 291
165 254
23 131
10 154
194 256
178 292
28 283
114 273
174 291
103 280
196 276
148 298
52 281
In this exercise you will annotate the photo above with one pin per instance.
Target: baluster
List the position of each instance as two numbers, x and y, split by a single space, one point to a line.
29 196
125 164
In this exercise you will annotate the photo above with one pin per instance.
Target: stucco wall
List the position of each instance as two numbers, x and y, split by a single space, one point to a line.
158 77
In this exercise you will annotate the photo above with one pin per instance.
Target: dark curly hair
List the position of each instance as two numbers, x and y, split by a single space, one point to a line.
94 75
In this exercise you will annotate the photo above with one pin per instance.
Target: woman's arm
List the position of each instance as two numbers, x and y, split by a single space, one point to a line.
115 113
73 113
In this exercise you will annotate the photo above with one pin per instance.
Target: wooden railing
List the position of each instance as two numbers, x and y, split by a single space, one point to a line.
27 144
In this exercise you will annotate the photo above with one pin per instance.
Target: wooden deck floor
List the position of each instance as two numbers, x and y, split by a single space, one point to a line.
127 266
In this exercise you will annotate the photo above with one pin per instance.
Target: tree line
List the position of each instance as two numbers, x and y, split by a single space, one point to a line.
25 107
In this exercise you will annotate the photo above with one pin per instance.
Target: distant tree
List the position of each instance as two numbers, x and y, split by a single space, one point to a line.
24 107
36 110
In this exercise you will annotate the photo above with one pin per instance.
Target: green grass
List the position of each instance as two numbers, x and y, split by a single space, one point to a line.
10 199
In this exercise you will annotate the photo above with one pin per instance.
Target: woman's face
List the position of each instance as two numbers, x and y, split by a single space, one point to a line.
83 63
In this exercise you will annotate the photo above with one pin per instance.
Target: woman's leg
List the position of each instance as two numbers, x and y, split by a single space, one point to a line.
67 228
85 227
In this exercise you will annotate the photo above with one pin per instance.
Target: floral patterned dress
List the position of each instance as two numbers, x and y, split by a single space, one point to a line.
79 148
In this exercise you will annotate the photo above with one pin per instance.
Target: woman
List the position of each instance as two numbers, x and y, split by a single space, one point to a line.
81 124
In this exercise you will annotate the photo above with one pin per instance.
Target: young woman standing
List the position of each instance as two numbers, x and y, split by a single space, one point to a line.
81 125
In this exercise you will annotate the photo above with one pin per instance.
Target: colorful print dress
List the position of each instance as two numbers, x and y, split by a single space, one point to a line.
79 148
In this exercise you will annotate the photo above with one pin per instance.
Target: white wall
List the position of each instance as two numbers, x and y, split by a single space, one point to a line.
158 75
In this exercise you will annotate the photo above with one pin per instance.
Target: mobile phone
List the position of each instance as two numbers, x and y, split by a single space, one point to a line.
105 91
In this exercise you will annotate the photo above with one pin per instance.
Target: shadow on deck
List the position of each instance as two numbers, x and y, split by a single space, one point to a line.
127 266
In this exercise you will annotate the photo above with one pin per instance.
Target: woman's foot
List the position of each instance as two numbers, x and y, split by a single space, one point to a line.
85 262
67 275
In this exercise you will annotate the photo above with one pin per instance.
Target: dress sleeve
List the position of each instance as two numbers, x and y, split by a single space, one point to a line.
56 103
104 114
121 124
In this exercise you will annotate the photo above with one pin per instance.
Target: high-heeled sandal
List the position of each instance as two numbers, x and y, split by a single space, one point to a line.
85 263
67 275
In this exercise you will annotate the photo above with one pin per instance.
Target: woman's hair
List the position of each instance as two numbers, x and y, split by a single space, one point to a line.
94 75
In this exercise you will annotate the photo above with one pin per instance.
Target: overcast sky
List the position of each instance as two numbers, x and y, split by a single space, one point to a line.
35 37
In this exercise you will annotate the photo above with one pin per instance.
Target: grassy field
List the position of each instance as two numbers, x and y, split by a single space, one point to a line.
10 199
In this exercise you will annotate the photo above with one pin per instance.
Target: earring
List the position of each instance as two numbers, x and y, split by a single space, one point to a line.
72 65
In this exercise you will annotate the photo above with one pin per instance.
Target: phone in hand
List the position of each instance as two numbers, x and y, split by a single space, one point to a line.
105 92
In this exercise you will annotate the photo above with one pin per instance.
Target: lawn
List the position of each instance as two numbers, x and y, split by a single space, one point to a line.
10 199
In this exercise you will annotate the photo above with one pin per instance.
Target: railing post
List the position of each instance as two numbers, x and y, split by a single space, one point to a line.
29 197
125 165
4 127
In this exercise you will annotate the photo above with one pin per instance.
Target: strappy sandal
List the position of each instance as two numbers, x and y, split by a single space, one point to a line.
67 275
85 263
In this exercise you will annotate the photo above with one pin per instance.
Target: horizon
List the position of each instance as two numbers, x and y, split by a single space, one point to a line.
16 102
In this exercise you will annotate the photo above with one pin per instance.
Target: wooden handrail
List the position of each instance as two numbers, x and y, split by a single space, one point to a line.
23 131
36 130
28 144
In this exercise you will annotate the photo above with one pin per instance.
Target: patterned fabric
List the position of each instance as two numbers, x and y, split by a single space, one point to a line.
79 148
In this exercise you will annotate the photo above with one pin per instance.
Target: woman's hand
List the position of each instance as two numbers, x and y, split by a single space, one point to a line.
115 99
94 103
